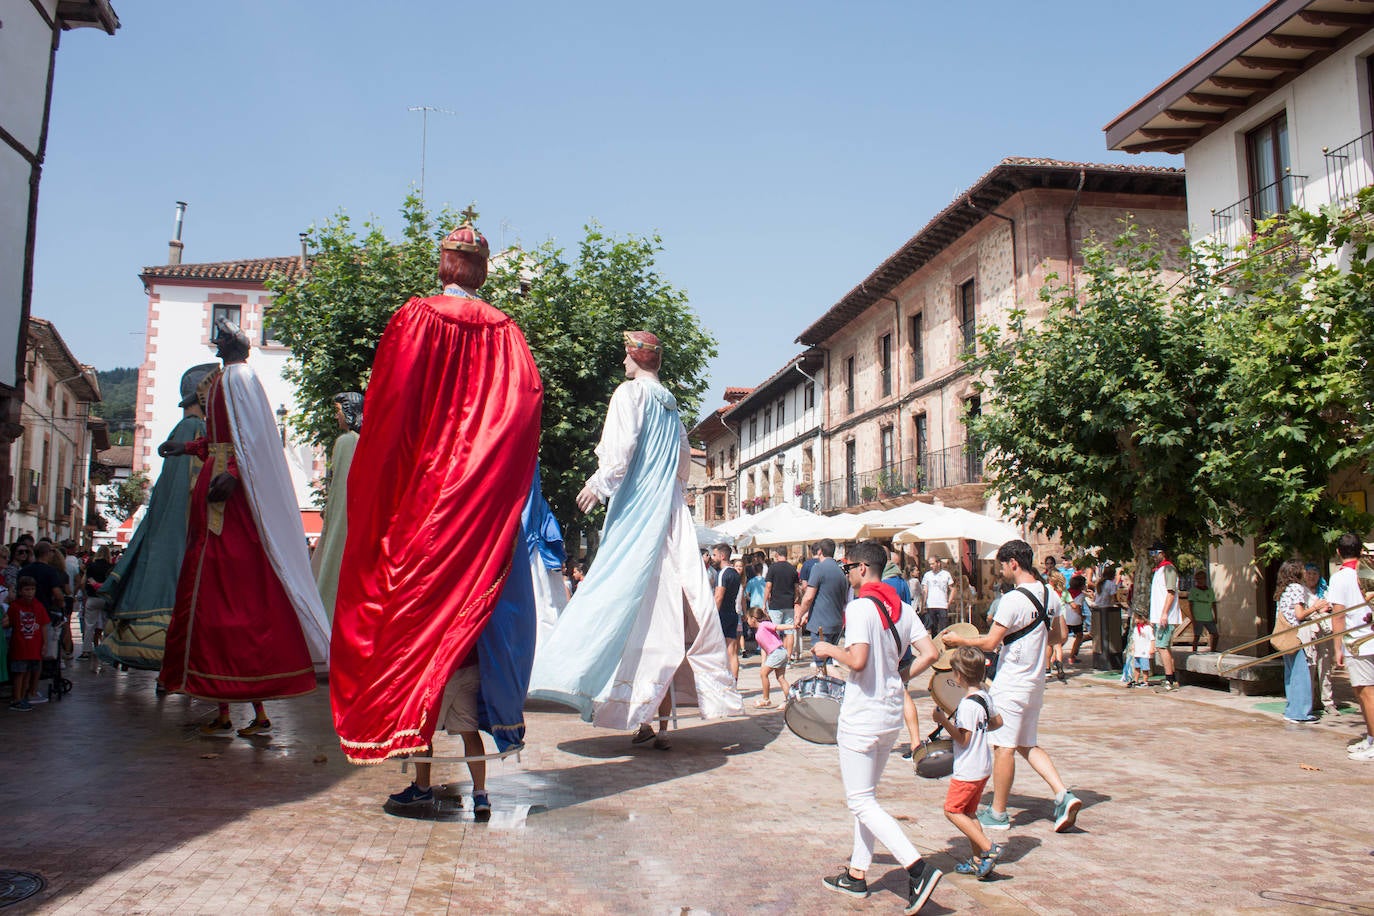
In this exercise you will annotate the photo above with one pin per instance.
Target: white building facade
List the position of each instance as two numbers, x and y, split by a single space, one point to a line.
778 425
184 300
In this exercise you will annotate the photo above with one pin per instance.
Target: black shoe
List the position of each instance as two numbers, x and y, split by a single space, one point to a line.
845 883
922 880
910 752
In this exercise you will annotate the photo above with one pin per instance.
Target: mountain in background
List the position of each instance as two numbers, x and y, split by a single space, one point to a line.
118 392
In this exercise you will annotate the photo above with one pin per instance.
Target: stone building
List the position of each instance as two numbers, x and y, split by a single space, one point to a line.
896 389
57 443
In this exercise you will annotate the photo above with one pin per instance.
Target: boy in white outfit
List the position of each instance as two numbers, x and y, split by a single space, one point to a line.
878 628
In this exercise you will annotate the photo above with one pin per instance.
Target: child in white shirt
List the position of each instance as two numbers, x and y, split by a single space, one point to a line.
973 719
1142 650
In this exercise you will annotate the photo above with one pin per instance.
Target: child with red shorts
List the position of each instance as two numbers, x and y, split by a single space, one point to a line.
973 719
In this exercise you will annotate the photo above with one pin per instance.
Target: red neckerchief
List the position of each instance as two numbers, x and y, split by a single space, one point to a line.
1351 564
887 595
1164 561
1075 592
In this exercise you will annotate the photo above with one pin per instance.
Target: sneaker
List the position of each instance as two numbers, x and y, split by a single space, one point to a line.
845 883
21 706
412 795
256 727
1306 721
1066 812
661 743
1360 746
991 821
40 698
217 729
644 734
921 885
1366 753
481 807
1170 685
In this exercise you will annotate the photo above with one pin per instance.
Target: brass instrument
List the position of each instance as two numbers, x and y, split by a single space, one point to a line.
1315 618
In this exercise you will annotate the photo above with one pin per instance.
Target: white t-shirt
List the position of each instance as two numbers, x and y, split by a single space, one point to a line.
1021 666
1164 584
973 761
1345 591
1106 593
937 586
1142 641
873 697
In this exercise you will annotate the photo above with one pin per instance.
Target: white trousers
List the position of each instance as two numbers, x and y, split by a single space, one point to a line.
862 759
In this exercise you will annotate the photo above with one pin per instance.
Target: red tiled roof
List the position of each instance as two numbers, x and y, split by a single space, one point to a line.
250 270
1009 177
117 456
734 394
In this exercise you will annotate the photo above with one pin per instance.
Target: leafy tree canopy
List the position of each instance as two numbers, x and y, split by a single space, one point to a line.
1095 420
572 312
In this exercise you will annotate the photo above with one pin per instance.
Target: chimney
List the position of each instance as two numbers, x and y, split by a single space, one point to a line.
305 253
174 246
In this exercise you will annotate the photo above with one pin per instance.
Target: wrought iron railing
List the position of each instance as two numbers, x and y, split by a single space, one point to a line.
1233 227
1349 169
948 467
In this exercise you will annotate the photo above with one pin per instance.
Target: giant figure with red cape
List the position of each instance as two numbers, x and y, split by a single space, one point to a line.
247 624
441 473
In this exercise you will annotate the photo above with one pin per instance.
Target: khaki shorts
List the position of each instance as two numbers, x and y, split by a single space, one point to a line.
459 712
1164 636
1361 670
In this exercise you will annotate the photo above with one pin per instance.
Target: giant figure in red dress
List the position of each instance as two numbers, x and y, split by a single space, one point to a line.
247 624
441 472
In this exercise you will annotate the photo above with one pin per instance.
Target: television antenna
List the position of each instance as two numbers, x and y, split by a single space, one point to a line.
424 136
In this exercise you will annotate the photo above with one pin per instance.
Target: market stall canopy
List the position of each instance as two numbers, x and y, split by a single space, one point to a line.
776 516
806 531
887 523
710 537
959 524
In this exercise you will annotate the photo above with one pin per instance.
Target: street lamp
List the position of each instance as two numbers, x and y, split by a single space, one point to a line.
281 422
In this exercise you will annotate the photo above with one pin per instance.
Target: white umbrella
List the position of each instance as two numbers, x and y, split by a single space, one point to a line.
806 531
959 524
710 537
886 523
771 517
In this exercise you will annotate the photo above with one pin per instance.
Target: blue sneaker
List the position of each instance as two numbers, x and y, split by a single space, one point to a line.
992 821
481 807
412 795
1066 812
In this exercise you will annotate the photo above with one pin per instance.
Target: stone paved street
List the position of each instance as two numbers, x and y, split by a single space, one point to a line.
1194 802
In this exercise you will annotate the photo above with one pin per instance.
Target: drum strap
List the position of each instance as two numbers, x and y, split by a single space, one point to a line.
1040 617
891 627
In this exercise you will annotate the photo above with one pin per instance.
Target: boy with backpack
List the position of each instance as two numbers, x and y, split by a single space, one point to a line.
974 717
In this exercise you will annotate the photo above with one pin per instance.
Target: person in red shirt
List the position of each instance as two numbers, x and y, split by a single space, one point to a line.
28 618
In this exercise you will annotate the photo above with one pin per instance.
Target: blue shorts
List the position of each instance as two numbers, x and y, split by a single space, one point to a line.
1142 663
729 623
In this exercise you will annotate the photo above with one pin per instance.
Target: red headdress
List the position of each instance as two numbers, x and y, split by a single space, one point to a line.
645 349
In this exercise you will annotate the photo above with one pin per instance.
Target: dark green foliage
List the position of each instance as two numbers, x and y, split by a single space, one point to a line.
572 314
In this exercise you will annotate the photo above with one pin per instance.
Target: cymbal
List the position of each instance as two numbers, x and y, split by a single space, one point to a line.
965 630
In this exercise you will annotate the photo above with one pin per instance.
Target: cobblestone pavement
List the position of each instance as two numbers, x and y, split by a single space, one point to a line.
1195 801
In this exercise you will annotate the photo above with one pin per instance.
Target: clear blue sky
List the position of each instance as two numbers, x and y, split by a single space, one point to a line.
782 150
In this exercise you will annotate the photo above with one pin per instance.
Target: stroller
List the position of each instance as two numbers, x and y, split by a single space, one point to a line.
57 642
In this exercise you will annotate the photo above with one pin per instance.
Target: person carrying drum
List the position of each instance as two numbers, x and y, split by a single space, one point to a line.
974 717
1028 619
878 628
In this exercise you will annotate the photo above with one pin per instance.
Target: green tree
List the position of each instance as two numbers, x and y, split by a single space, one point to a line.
129 494
1292 319
572 312
1093 420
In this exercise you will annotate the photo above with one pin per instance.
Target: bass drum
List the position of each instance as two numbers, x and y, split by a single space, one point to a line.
813 708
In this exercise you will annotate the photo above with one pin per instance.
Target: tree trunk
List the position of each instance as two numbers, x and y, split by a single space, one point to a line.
1148 529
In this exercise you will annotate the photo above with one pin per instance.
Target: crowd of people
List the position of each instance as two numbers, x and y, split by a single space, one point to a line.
48 586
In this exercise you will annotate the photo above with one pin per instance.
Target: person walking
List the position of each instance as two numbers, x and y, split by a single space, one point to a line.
1295 604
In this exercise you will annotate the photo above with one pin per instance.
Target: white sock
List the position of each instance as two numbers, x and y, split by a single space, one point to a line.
1060 797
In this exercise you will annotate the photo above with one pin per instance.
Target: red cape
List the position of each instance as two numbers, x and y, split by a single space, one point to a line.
441 472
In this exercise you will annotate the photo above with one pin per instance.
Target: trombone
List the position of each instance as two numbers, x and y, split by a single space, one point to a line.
1315 618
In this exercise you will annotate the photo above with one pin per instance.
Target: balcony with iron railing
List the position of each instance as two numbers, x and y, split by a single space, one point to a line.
1234 227
959 464
1349 169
